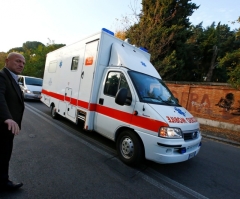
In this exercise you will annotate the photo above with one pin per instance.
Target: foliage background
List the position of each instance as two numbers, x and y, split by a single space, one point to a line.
179 50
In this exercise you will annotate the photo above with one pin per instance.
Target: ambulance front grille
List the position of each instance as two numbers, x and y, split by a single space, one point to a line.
191 135
37 92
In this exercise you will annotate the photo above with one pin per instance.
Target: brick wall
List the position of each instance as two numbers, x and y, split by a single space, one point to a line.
219 102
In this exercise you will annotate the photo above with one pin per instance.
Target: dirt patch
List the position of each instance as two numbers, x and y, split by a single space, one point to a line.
221 133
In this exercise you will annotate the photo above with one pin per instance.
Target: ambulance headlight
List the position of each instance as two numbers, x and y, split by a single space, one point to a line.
168 132
27 91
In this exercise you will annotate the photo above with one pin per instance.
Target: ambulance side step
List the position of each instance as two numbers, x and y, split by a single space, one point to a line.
81 115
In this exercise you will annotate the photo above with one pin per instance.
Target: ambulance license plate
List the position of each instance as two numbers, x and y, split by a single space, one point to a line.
191 155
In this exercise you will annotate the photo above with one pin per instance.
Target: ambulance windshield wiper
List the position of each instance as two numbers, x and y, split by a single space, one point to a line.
167 102
149 98
158 98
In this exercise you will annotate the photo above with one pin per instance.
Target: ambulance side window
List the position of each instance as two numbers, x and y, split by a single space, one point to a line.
115 81
111 84
124 84
74 64
52 67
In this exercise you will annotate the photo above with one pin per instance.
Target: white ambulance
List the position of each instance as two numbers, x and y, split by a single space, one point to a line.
113 88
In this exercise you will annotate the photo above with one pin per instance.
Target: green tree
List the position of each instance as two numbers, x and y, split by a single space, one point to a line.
3 56
35 59
35 55
163 29
26 46
31 45
206 46
16 49
231 61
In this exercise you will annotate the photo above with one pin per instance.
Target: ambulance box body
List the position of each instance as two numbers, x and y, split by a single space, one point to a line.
113 88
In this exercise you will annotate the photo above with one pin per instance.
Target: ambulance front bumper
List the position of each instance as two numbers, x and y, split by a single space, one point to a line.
32 96
167 151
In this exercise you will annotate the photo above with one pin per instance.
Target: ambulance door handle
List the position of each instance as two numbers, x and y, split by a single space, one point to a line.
101 101
82 74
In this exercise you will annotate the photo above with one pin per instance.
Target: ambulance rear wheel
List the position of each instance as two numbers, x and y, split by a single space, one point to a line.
130 148
53 112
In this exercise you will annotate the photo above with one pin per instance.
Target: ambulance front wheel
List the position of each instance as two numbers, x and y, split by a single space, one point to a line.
130 148
53 112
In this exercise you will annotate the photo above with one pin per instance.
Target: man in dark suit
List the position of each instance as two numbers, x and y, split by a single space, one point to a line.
11 112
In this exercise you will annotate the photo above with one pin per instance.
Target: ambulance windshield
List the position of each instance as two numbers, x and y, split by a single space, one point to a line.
152 90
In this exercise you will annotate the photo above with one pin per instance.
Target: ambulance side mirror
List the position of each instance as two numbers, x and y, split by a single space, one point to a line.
121 96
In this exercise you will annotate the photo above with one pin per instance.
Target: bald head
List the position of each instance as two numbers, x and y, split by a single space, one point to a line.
15 62
12 54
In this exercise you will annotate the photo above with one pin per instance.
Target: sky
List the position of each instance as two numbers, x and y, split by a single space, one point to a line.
68 21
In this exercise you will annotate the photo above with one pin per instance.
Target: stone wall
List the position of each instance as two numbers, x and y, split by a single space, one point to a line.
216 102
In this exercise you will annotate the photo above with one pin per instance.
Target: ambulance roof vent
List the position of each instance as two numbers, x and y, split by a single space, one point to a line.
108 31
127 40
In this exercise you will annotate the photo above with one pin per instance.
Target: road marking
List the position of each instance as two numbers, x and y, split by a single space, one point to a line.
29 107
176 184
145 177
163 187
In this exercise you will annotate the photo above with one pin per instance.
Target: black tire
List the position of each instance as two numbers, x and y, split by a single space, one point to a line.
130 148
54 112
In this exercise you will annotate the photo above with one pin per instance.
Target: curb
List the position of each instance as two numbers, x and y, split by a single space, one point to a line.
221 139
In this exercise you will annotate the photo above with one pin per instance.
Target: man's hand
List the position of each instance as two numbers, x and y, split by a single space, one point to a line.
12 126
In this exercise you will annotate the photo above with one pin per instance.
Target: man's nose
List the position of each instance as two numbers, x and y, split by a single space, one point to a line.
21 64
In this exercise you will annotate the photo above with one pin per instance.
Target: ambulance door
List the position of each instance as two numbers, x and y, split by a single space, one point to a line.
62 105
71 109
87 73
71 91
110 116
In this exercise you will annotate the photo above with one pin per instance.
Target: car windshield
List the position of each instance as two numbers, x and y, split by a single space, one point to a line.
152 90
33 81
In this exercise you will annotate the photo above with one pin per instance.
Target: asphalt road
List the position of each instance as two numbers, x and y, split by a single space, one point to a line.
56 159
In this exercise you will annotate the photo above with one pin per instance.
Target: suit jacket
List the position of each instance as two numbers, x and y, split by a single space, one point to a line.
11 99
